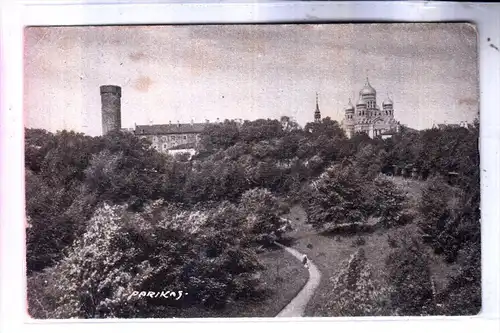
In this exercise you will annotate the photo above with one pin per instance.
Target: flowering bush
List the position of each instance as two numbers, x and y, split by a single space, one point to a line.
163 248
96 277
356 292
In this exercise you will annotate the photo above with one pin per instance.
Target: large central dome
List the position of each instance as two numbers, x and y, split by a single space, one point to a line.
367 89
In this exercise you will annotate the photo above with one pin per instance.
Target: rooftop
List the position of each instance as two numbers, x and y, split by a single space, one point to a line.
444 126
169 128
184 146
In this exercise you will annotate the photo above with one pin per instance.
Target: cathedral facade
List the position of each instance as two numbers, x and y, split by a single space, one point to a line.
367 117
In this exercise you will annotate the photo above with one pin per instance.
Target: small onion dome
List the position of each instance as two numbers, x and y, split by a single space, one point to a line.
367 89
387 101
349 105
361 101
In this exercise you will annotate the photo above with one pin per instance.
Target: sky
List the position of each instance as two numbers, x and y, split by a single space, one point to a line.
199 72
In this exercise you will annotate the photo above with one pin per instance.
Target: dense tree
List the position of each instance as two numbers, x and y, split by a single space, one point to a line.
409 275
37 143
389 203
76 173
219 136
55 172
68 157
47 234
288 124
368 161
327 128
213 210
263 216
402 149
118 178
261 129
335 198
356 291
449 218
462 295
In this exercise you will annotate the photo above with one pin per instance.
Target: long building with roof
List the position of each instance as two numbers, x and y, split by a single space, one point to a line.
168 137
367 117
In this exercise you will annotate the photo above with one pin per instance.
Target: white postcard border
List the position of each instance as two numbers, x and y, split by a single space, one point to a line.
15 16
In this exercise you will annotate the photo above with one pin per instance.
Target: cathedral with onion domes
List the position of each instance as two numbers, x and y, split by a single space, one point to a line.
366 116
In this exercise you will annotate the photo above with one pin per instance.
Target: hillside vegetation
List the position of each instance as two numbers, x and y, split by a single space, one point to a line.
109 215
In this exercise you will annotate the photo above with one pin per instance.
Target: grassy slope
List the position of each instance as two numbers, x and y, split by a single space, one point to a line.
329 253
283 275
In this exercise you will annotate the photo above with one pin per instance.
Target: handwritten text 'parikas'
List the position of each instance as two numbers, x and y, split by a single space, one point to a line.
158 294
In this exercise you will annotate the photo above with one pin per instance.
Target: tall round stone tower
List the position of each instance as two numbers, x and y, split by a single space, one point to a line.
111 108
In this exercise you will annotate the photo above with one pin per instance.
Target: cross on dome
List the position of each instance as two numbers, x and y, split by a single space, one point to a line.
349 105
387 101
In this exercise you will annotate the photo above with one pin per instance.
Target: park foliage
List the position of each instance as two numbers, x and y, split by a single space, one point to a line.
108 215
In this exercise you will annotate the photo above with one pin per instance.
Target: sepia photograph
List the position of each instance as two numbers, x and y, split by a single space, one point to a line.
252 170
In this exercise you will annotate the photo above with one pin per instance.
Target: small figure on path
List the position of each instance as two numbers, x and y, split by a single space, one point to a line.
305 261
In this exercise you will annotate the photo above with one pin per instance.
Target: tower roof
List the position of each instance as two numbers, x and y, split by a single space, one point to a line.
317 105
361 101
317 114
387 101
367 89
349 105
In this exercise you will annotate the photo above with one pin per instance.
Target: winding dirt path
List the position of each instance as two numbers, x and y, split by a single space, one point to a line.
297 306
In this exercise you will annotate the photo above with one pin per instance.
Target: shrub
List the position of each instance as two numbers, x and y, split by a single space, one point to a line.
409 275
198 252
263 212
355 292
393 243
462 294
449 218
358 241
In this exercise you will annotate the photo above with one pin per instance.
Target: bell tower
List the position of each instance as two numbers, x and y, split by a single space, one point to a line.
317 113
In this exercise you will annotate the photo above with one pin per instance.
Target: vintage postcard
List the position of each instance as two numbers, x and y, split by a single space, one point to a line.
299 170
